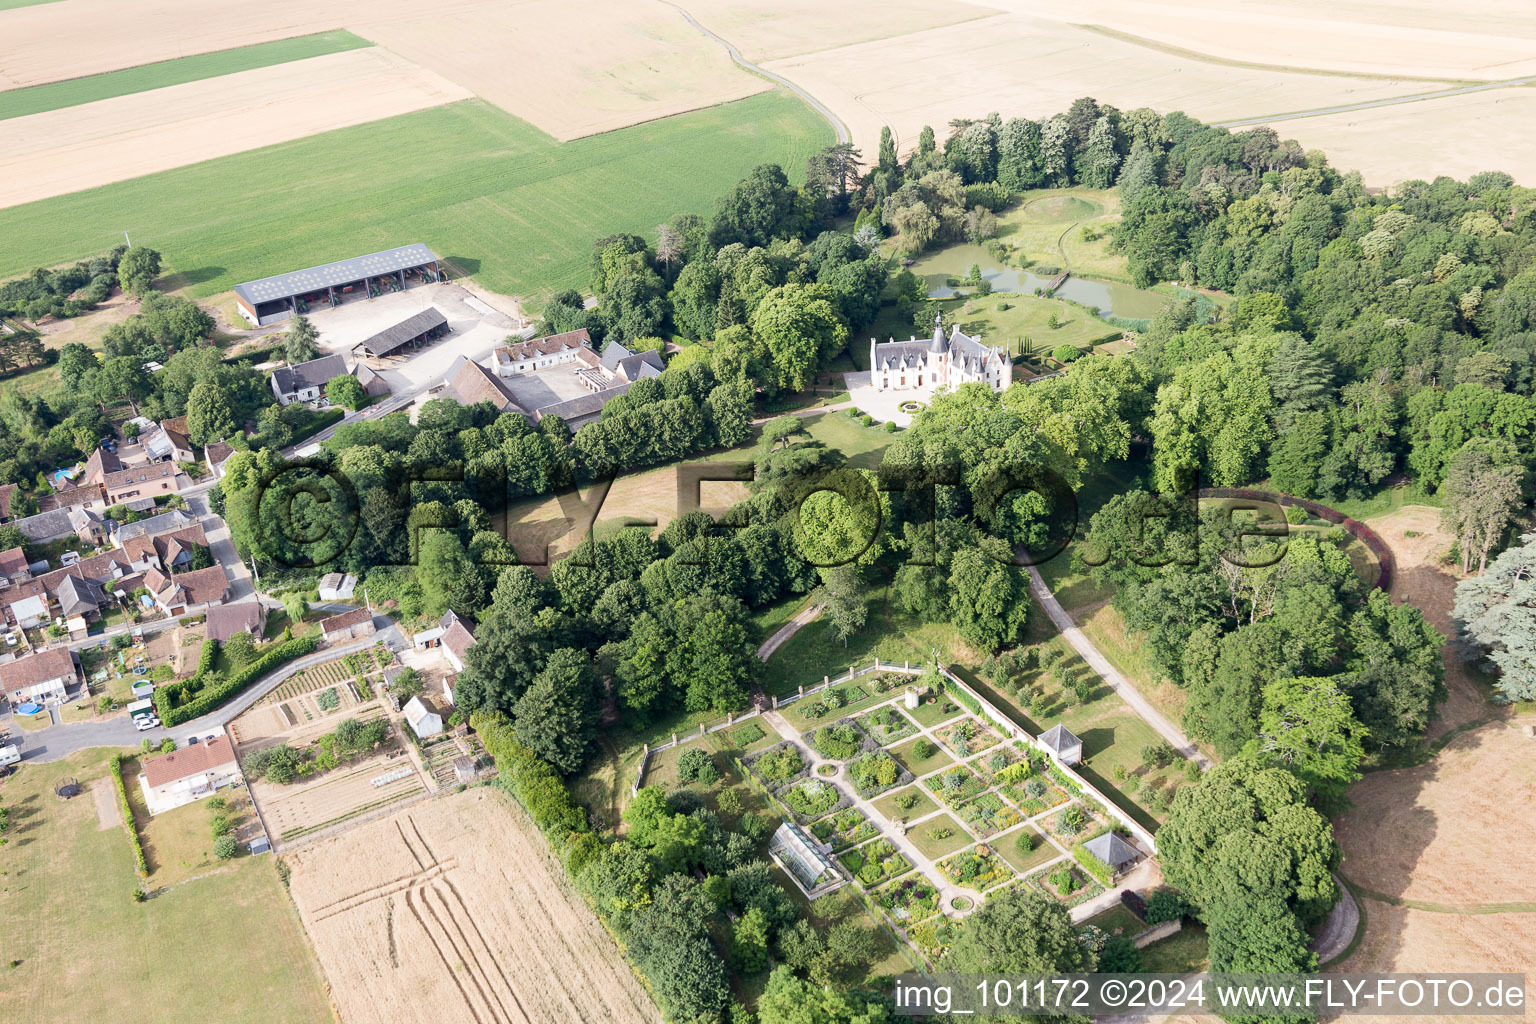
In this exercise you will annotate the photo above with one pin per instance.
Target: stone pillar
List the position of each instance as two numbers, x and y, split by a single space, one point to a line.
906 666
802 690
674 739
645 750
775 703
730 717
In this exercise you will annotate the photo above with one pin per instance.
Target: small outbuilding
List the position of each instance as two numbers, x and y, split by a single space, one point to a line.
347 626
1113 851
337 586
423 718
1063 744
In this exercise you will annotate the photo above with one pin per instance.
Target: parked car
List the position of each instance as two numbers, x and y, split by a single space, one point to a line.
142 724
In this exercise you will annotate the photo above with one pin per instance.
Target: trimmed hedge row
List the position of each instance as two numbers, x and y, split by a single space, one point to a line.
962 698
127 812
1091 864
211 697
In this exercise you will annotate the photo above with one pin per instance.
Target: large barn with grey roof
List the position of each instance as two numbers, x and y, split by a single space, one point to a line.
277 298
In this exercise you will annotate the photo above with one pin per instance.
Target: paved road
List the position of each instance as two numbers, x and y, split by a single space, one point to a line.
1111 675
1390 101
815 410
62 740
841 129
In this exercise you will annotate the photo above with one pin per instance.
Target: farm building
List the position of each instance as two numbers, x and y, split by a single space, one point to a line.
538 353
458 638
372 381
39 678
188 774
242 617
423 717
306 382
347 626
415 330
1063 744
154 526
469 383
272 299
625 366
337 586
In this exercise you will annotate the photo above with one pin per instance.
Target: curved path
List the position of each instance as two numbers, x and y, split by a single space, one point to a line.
838 127
1111 675
804 617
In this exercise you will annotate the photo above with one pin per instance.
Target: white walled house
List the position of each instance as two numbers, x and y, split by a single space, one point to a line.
40 678
938 362
188 774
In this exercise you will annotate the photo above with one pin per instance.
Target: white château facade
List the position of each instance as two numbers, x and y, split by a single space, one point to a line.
937 362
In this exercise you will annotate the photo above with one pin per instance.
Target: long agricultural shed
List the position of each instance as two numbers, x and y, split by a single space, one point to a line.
418 327
272 299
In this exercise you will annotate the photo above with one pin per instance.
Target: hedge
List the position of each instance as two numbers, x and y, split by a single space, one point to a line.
127 812
963 698
211 697
1091 864
531 781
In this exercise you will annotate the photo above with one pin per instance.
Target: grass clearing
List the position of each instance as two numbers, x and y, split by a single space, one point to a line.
497 198
1184 953
939 836
1040 851
907 756
74 91
81 943
890 804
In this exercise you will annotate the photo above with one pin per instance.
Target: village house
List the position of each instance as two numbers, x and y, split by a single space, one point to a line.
88 526
241 617
187 592
30 602
153 526
13 568
91 496
99 466
305 382
347 626
214 456
423 717
173 551
191 773
625 367
147 481
40 678
167 441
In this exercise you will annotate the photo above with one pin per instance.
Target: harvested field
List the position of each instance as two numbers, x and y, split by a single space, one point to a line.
1025 65
454 910
302 809
80 147
769 29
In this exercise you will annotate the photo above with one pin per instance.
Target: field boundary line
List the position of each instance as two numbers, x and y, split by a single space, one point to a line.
1251 65
1430 907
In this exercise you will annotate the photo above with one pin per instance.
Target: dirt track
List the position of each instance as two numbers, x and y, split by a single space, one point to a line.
454 911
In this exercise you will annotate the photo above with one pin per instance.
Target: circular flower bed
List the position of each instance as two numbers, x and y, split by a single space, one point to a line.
826 770
960 903
910 406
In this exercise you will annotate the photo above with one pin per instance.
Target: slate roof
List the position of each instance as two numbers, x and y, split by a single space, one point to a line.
1111 849
458 633
301 282
45 525
1059 738
78 596
316 373
391 338
583 405
139 474
165 522
642 364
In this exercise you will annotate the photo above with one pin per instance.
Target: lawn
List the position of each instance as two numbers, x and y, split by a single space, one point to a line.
1039 852
890 804
83 946
493 195
906 755
1118 920
1184 953
930 836
71 92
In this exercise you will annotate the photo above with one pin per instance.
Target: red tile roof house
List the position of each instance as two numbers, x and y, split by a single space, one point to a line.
188 774
39 678
188 592
143 482
347 626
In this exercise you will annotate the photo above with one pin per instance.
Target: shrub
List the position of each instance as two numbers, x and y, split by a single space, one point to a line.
1119 772
1295 515
922 750
1120 956
937 834
1071 821
1092 864
211 692
1065 353
1165 904
729 802
224 847
1160 754
127 813
1192 771
906 801
220 824
1131 784
696 765
1024 841
1035 788
1134 903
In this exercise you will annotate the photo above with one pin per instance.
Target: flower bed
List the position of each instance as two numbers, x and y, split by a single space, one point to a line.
777 766
969 868
842 740
1033 796
1066 882
967 736
908 899
1004 764
955 793
835 699
874 862
1072 821
933 937
887 725
809 799
988 815
875 772
844 829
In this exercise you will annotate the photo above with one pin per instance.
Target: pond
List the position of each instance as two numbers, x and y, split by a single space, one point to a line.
1108 298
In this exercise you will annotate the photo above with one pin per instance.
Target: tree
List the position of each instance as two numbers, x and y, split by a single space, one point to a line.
210 413
1308 725
1020 931
1482 491
988 602
299 342
557 716
1395 675
138 268
841 592
1255 860
749 942
757 210
225 847
788 999
1495 616
800 328
449 578
344 389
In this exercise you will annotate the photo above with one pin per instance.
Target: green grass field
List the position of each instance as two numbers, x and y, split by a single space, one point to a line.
225 946
7 5
492 194
74 91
